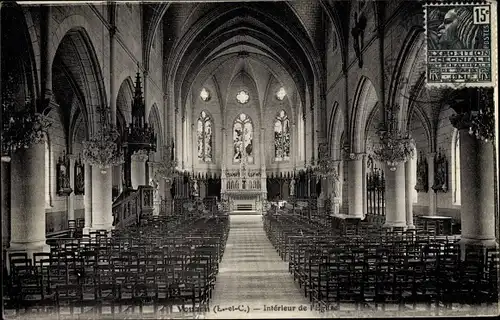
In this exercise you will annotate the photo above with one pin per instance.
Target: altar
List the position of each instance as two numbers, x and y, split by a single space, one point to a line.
244 190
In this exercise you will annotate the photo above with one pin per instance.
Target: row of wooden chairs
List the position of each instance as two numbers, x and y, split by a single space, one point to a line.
162 263
389 267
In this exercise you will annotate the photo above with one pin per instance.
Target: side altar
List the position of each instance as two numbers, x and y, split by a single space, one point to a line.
244 190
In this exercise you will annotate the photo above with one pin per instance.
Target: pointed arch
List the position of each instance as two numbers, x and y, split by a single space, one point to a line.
19 45
87 73
336 132
364 104
124 99
154 119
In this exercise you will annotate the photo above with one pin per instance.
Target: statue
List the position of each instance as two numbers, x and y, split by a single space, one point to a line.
195 188
155 185
441 173
422 175
292 187
79 177
63 185
336 185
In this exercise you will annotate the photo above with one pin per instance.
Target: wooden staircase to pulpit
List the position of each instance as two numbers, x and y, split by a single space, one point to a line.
133 206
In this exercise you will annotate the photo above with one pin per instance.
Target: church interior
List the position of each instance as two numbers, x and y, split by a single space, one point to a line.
240 159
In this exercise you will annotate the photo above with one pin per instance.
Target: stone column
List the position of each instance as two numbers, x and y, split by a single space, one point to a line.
224 159
168 196
117 178
365 199
6 194
355 185
395 215
102 215
263 176
87 198
477 192
138 168
183 139
112 81
431 156
409 187
178 138
341 180
71 197
145 88
47 52
324 191
294 154
28 200
156 192
194 146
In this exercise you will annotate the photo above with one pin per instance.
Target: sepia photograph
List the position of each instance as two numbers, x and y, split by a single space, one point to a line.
253 159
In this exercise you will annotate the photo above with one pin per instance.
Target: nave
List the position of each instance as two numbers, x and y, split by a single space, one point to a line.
280 265
252 275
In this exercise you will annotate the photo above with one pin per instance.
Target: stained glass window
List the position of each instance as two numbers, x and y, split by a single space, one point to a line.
205 94
281 94
282 137
242 97
204 132
242 138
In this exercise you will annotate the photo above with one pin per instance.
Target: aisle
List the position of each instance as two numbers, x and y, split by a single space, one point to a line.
253 277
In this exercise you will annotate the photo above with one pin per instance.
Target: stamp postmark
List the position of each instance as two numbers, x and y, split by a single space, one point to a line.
461 43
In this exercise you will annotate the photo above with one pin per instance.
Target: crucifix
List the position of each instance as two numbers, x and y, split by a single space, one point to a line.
243 166
357 33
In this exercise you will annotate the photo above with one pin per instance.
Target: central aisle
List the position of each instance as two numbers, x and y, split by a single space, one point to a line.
253 277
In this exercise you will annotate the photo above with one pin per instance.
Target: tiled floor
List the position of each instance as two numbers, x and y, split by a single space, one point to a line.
253 278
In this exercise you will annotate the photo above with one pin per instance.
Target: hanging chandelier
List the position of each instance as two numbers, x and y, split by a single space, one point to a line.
482 121
167 167
21 128
394 146
102 149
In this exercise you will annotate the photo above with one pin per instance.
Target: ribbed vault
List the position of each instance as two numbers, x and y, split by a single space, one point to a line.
269 34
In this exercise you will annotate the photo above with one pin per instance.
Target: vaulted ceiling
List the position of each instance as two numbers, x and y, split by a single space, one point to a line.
279 38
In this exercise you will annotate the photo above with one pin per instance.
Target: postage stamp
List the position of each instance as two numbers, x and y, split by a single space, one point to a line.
461 43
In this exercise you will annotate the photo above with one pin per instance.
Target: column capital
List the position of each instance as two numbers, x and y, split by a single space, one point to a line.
113 30
461 121
354 156
71 156
140 155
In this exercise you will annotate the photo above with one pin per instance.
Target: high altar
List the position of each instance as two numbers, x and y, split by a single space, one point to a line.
244 190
